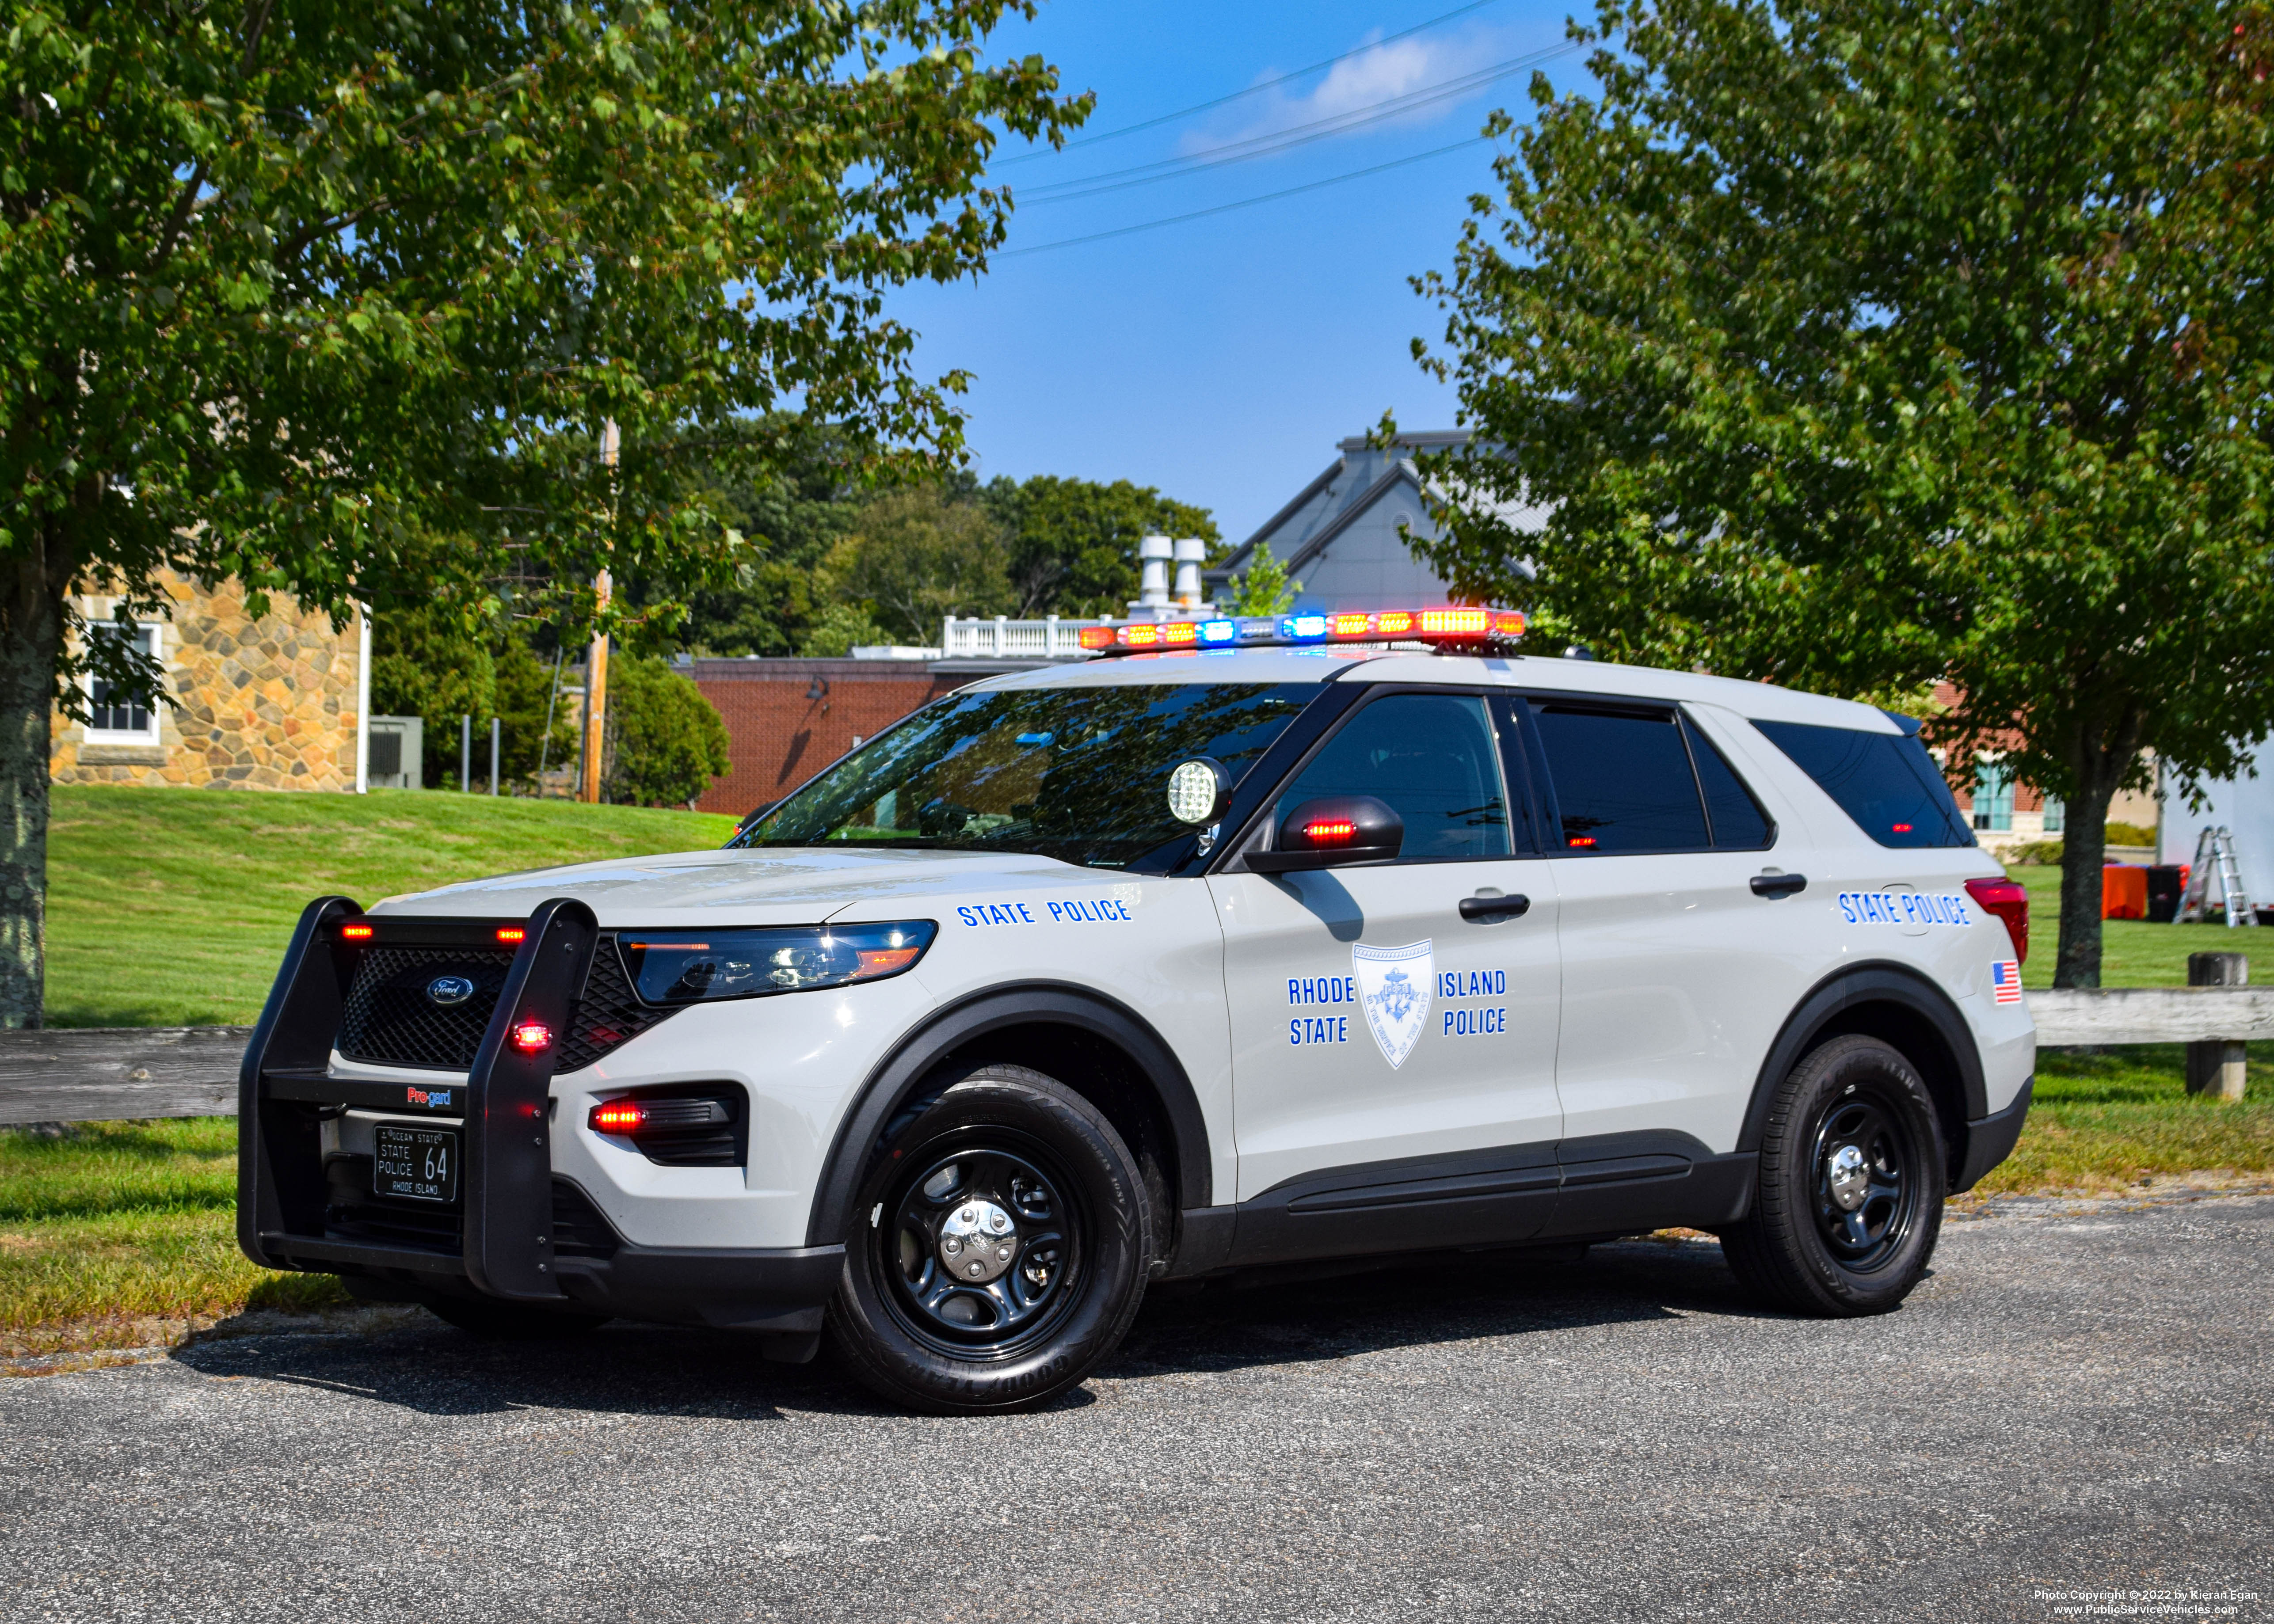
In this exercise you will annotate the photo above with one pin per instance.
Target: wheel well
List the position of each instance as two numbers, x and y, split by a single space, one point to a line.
1919 1040
1101 1073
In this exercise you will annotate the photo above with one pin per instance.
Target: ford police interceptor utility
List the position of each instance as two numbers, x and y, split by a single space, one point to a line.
1252 943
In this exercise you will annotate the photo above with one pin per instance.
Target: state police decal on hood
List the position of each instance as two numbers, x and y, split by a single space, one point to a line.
1396 985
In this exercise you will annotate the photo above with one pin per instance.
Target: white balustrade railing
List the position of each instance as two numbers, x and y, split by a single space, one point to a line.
1003 637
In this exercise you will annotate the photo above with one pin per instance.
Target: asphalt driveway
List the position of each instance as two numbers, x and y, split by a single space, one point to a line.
2078 1402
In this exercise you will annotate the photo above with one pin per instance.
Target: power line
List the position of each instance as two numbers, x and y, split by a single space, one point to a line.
1225 208
1299 135
1202 106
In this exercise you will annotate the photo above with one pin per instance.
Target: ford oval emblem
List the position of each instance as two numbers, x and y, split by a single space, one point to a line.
450 990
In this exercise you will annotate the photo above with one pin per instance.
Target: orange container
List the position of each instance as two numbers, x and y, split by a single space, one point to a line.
2124 891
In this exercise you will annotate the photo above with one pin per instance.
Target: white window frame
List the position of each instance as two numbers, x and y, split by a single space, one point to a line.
154 644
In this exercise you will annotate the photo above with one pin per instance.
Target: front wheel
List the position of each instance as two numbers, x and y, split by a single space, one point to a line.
1848 1202
1000 1250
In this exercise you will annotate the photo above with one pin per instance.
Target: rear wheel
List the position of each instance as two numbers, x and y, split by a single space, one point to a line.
1000 1249
1848 1202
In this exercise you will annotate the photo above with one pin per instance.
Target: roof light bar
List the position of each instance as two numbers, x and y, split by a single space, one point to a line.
1451 629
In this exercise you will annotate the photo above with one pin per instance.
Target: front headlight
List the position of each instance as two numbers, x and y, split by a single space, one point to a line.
698 967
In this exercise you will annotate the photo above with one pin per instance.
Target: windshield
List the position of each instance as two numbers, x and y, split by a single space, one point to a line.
1080 774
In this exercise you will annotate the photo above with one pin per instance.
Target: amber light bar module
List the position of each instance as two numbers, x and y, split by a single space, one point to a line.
1449 629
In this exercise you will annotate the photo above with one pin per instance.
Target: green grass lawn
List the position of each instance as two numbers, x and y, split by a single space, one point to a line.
171 907
122 1234
2133 953
2108 1120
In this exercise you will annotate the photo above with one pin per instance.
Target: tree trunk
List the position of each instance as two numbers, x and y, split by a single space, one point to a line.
34 577
2099 764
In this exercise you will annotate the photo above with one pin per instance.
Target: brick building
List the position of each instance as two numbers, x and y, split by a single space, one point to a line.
788 718
265 703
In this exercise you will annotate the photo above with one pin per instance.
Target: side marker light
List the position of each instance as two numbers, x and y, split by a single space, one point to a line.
618 1116
512 933
1334 831
355 933
532 1037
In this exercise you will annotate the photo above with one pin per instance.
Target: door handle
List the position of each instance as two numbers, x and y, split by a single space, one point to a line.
1775 886
1495 907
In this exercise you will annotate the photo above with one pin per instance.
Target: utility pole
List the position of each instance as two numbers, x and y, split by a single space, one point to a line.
494 729
596 666
465 755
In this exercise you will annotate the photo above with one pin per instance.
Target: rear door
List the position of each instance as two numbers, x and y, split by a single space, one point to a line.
1677 972
1371 1023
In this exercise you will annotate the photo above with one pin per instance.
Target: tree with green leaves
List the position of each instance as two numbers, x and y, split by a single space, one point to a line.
1262 588
286 284
915 555
1073 543
665 742
1853 346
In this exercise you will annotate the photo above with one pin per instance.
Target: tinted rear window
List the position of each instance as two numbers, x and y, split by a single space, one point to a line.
1738 819
1622 781
1887 782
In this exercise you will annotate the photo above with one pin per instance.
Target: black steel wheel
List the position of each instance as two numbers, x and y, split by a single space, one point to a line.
1001 1250
1848 1200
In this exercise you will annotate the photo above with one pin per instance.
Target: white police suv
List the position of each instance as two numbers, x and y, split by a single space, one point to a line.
1250 944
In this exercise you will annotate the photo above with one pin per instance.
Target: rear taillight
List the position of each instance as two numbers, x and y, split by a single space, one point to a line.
2010 902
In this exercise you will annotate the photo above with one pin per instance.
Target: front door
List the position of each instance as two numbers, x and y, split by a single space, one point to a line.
1371 1023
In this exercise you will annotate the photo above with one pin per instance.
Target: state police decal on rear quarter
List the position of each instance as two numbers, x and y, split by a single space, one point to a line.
1907 907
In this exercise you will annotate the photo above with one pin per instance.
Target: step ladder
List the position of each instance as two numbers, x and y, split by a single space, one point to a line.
2214 856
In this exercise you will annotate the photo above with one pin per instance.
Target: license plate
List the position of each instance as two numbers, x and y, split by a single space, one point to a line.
417 1164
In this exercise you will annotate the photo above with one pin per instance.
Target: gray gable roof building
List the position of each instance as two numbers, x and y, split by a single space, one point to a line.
1339 537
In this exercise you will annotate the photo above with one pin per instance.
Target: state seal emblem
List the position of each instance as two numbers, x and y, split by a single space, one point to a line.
1395 985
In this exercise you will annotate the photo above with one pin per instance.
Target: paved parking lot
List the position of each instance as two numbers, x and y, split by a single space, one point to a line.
2078 1401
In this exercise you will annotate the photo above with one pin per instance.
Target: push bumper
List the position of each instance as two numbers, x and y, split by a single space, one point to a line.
1990 1139
523 1234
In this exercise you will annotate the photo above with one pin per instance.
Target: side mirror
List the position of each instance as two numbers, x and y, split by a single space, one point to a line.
1330 833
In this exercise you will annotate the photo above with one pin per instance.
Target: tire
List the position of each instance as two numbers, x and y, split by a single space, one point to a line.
1848 1199
493 1320
999 1251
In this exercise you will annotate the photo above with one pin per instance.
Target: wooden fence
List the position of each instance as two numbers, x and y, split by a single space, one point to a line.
94 1075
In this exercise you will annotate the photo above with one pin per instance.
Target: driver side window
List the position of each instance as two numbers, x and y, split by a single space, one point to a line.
1432 757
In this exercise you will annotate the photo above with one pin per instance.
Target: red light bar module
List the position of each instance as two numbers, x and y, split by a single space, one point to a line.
355 933
511 934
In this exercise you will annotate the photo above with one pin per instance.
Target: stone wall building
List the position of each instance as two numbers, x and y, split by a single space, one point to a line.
266 704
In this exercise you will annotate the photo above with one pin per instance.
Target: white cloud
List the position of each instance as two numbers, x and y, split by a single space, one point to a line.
1379 74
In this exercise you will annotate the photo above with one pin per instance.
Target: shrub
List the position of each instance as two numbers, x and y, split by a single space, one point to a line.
2048 852
665 742
2130 834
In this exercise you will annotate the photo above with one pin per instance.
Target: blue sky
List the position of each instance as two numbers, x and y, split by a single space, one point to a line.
1221 359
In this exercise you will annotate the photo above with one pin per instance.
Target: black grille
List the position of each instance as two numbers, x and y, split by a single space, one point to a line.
608 1014
391 1018
578 1229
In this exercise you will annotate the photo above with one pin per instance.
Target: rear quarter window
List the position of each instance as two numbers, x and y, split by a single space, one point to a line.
1887 782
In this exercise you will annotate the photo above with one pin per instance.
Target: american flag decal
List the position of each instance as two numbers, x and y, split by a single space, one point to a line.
2005 981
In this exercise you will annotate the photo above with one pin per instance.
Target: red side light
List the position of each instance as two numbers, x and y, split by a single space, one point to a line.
355 933
1097 636
1508 623
1455 622
1580 841
532 1037
1140 636
2010 902
1393 623
512 933
1903 829
1350 625
1330 832
618 1116
1180 631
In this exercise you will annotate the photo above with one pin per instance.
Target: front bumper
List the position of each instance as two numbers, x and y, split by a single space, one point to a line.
521 1232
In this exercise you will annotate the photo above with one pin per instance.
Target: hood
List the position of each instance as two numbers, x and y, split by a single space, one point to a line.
791 885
